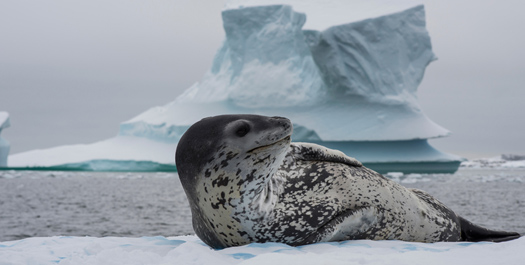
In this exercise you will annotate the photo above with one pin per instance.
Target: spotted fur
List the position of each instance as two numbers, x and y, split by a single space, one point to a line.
246 182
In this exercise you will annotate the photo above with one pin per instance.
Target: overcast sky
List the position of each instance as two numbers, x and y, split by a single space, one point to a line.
71 71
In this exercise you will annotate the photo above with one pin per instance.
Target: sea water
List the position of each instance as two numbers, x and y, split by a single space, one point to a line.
97 204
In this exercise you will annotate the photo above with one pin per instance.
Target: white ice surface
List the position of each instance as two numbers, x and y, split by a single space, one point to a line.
190 250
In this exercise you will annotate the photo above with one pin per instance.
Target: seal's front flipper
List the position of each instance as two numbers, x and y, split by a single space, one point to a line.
475 233
315 152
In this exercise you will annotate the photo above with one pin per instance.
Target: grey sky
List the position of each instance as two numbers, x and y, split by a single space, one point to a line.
71 71
477 87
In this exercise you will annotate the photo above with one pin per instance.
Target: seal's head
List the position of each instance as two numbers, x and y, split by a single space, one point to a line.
241 134
226 164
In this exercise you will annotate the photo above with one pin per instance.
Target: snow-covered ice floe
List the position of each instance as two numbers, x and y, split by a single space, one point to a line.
345 72
190 250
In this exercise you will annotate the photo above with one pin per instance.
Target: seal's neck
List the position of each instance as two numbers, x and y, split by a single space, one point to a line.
260 185
239 189
244 187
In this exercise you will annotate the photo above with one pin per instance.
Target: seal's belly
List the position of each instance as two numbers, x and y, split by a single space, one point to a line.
325 201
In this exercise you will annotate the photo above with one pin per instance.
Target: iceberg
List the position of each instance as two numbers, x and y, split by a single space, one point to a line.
4 144
345 72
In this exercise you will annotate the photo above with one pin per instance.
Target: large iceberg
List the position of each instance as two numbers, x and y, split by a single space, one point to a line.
345 72
4 145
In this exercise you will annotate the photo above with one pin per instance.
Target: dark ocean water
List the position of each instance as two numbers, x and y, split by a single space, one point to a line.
39 204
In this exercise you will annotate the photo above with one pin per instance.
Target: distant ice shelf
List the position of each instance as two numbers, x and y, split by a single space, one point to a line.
345 72
504 161
121 153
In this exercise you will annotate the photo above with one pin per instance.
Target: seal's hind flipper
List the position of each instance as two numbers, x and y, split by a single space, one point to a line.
315 152
475 233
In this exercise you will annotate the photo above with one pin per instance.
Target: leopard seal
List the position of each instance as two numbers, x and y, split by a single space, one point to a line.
247 182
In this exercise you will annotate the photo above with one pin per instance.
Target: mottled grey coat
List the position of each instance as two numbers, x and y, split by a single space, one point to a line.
247 183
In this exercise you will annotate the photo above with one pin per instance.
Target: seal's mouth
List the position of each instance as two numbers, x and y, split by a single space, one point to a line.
285 140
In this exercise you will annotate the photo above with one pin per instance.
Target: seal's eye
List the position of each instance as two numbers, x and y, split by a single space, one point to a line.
243 130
